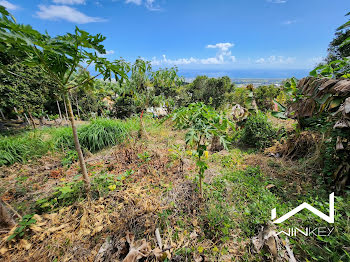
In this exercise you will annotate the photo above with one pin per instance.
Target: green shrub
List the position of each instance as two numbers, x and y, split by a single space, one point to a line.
264 96
23 227
258 131
125 107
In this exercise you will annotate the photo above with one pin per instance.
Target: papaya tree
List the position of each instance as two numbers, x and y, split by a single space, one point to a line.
202 123
60 57
140 88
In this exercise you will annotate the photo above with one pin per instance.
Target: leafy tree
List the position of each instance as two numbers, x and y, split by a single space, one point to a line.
264 96
27 89
202 122
59 57
240 96
212 91
140 87
165 81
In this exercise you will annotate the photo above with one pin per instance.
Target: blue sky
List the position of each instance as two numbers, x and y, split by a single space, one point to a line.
193 34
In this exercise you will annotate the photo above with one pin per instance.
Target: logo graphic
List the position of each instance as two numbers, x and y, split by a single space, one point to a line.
329 219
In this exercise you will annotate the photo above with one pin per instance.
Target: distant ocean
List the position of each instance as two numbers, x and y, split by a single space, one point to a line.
246 73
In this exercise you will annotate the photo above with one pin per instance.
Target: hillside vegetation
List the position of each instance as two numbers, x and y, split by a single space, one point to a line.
134 164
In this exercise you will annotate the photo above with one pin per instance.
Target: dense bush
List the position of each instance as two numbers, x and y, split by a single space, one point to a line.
210 91
63 138
264 96
258 131
240 96
124 107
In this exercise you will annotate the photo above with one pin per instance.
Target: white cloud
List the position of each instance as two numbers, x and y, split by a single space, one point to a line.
108 52
275 60
315 60
69 2
150 4
180 61
223 56
63 12
278 1
223 53
222 46
289 22
8 5
136 2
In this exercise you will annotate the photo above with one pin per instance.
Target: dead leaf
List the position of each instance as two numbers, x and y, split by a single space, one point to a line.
197 257
36 228
270 186
24 244
193 235
194 222
37 218
3 250
54 229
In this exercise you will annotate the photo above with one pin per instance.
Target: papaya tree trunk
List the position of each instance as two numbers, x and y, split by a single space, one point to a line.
76 142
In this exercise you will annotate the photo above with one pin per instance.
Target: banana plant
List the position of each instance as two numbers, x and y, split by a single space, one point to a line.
334 69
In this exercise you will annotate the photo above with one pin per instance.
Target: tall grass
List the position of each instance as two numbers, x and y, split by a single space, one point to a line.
99 134
102 133
22 148
63 138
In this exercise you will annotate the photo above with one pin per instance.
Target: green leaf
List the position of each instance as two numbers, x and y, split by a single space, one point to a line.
346 25
345 42
280 115
11 237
